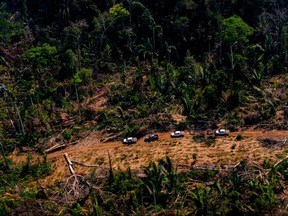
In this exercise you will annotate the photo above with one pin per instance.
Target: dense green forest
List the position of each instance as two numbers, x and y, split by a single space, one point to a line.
210 60
207 57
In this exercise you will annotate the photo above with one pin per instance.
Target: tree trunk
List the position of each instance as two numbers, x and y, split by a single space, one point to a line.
232 56
4 156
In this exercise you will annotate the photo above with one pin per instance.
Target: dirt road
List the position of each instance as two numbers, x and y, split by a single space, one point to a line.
181 150
87 145
184 152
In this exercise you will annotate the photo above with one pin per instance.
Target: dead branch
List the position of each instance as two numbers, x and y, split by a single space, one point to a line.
207 167
195 180
276 164
236 165
55 147
272 143
232 166
109 138
100 172
69 163
85 165
59 146
76 186
280 161
256 165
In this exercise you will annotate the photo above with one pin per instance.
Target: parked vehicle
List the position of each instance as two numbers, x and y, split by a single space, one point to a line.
151 137
177 134
130 140
222 132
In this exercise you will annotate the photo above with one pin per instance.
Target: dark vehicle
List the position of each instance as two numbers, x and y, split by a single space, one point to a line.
151 137
130 140
177 134
222 132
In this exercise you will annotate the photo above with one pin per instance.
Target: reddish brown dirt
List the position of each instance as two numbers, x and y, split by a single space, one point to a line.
92 143
225 151
183 151
269 134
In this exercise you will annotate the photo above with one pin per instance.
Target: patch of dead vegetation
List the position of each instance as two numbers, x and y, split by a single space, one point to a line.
184 152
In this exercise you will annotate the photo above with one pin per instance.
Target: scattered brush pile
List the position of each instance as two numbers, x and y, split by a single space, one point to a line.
245 188
272 142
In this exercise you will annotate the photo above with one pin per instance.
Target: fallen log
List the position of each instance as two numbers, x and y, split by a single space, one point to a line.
69 163
55 147
109 138
85 165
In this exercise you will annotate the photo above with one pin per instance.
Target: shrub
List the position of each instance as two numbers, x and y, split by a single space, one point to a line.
239 137
100 160
37 169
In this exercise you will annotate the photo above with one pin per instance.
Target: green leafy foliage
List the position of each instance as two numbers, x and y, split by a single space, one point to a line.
41 56
119 12
4 29
239 137
161 188
56 58
235 30
36 170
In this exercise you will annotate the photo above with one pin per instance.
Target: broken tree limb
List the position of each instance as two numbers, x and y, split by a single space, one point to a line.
55 147
109 138
272 143
58 146
280 161
69 163
76 187
85 165
276 164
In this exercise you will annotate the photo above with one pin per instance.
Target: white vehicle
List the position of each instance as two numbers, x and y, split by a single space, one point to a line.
177 134
222 132
130 140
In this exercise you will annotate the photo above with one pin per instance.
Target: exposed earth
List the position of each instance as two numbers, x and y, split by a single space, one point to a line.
185 152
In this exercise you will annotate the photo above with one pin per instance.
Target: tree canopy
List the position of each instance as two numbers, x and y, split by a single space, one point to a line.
206 57
234 29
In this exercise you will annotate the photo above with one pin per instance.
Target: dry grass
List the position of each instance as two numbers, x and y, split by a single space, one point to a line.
181 150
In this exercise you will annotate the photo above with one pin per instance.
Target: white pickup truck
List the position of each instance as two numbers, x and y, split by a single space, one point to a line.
130 140
177 134
222 132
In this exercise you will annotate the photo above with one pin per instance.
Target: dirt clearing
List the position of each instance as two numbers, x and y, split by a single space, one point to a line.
185 152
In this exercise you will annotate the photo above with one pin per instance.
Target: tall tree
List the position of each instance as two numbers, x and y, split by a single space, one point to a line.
235 31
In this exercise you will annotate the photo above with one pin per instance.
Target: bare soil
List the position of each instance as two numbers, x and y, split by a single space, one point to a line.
185 152
182 151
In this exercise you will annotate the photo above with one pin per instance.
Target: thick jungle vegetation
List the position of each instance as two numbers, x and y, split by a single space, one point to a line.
211 61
